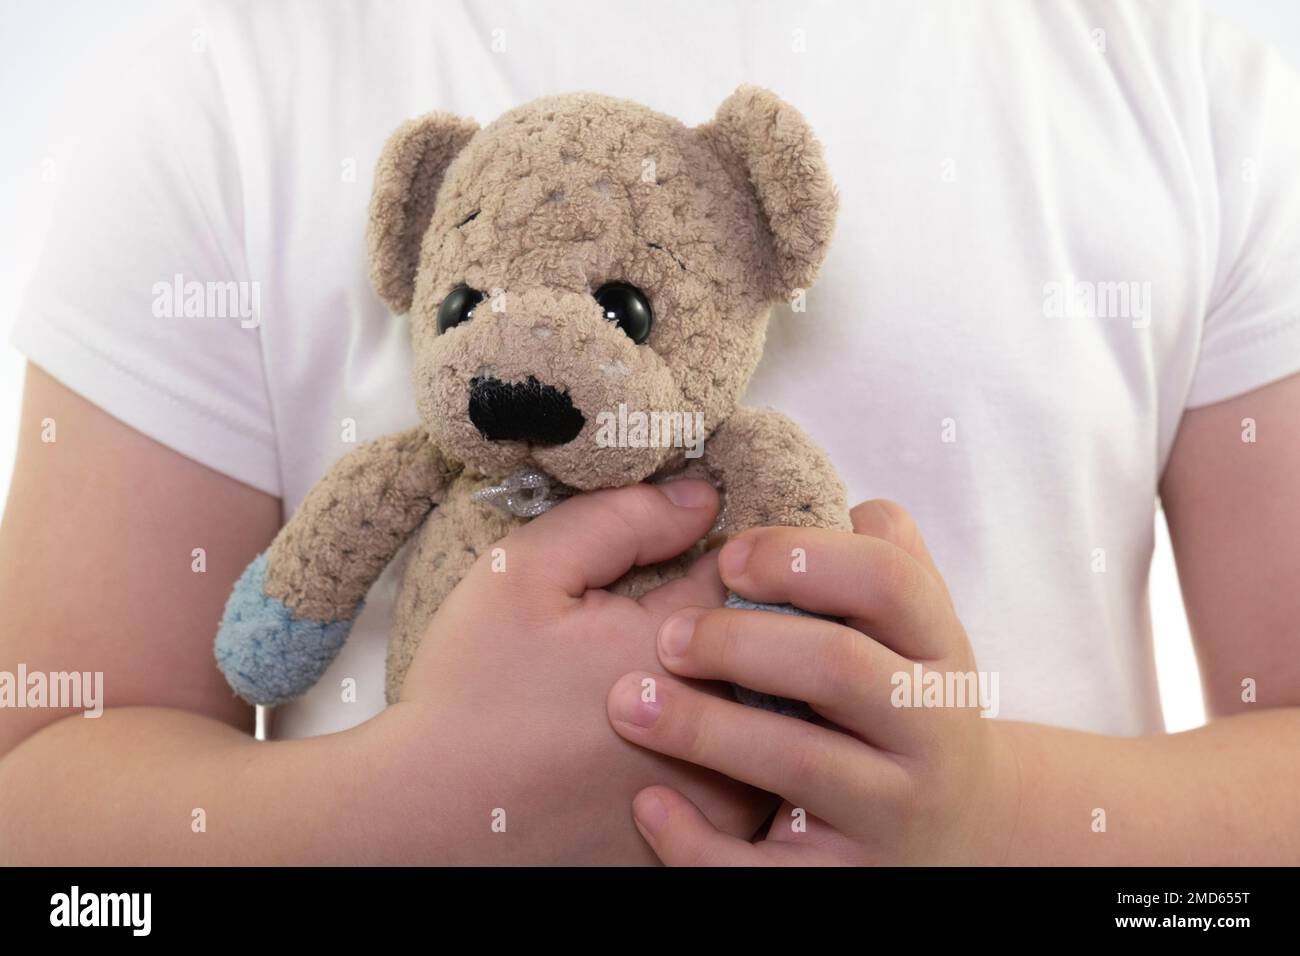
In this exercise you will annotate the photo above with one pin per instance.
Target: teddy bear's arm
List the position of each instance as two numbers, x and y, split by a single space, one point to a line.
771 473
293 607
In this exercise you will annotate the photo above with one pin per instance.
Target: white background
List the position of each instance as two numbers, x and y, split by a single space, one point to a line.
50 53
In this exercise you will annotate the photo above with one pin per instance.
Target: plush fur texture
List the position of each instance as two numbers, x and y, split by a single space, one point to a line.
267 652
537 210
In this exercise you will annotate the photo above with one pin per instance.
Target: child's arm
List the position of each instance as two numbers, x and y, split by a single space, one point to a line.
98 574
293 607
1226 792
916 785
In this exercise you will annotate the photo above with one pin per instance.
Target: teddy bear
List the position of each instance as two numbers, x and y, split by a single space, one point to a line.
575 273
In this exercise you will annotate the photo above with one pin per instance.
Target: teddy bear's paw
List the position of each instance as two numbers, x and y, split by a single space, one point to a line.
267 654
753 698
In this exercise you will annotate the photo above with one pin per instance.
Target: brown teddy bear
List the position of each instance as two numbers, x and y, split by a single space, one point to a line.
588 284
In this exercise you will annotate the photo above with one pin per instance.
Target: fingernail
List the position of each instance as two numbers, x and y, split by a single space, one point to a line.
649 811
734 555
687 492
676 633
636 701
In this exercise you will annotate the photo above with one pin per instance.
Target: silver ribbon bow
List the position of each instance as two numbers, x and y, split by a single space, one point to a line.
526 493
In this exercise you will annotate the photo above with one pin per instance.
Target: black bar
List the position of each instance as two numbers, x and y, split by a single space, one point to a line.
273 906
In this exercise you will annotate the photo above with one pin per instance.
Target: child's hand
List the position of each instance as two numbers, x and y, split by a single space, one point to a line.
886 784
500 724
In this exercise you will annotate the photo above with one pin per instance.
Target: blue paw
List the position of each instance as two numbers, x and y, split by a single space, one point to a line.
753 698
267 654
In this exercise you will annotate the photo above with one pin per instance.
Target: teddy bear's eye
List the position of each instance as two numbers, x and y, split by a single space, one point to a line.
628 306
458 307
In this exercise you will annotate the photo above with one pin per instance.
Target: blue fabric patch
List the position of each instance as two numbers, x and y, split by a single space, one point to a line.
267 654
753 698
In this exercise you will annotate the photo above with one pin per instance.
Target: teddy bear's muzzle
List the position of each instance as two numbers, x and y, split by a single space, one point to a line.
528 411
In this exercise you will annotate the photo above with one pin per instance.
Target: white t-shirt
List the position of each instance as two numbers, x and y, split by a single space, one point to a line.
1062 225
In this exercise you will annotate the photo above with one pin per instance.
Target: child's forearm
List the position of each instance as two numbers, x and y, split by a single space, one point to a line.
159 786
1221 794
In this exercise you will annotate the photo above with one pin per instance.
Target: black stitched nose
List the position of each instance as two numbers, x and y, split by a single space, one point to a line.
527 411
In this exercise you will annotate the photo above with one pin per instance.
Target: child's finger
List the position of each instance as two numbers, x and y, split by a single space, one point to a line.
592 540
890 521
681 835
877 587
829 773
843 674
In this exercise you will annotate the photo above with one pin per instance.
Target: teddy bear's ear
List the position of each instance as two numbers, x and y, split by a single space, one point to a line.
789 174
407 178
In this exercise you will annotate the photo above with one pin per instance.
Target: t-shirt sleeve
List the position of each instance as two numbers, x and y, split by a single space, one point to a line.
141 301
1251 333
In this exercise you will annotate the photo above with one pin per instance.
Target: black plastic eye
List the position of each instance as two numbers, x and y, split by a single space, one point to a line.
458 307
628 306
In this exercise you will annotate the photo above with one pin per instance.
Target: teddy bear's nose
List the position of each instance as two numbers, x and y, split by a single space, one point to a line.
525 411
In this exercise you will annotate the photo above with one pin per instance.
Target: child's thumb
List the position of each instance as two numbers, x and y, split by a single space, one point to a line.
593 539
